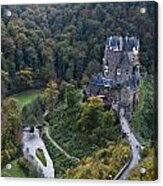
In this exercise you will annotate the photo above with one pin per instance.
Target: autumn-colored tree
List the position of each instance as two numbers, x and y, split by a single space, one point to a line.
149 164
101 125
68 40
51 94
91 115
24 79
11 129
104 163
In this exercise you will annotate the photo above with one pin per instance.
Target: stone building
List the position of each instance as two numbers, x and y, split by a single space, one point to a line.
120 60
119 80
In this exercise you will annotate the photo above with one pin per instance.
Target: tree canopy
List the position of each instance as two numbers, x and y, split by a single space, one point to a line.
42 42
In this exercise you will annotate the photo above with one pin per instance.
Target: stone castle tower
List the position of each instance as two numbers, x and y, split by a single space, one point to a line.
121 66
120 60
118 83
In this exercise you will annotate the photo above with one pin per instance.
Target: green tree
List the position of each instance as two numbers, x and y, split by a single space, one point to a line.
149 163
143 117
91 115
4 83
24 79
64 40
11 130
51 94
100 125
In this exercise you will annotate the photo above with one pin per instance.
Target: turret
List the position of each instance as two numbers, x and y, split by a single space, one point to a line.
127 44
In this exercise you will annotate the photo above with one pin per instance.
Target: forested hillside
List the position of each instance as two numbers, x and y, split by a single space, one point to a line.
66 41
48 53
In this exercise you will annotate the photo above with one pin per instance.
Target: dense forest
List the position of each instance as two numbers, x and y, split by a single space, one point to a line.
54 50
44 42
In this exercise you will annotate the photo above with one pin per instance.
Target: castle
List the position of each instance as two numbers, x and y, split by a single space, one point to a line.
118 82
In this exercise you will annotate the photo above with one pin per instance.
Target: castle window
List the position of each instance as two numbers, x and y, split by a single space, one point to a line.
138 69
127 72
118 71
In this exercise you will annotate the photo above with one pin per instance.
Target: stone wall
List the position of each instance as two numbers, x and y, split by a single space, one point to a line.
118 66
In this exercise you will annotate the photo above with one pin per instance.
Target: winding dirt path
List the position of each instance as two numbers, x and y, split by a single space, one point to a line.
59 147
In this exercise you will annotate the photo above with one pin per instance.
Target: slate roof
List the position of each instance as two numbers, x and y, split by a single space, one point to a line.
128 43
101 81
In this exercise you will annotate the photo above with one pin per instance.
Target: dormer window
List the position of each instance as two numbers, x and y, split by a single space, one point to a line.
118 71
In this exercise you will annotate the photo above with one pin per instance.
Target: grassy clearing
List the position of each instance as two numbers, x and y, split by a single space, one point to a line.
15 171
26 97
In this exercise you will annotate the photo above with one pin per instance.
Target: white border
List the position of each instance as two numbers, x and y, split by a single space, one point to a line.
50 182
